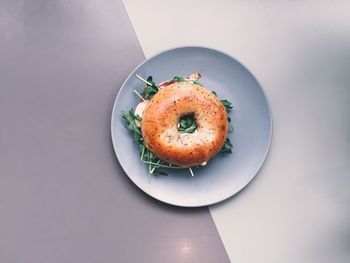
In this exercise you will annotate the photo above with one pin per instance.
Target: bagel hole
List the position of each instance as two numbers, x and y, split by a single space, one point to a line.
187 123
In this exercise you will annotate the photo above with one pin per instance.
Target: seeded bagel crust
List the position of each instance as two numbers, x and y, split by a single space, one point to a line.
161 117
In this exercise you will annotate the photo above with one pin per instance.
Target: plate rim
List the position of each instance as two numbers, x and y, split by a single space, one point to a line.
261 164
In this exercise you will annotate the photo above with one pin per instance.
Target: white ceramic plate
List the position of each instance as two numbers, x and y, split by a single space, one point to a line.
225 175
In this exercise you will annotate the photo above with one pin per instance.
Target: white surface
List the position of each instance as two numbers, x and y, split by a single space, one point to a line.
297 209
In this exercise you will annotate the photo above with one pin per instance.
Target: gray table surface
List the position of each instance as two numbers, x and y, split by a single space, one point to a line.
63 195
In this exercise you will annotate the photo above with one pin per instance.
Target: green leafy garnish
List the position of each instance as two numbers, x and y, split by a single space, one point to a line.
150 90
130 117
179 79
227 148
227 104
187 124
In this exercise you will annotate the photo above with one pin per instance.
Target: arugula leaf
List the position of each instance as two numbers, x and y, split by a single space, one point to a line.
227 104
150 90
227 148
179 79
130 117
136 137
187 124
